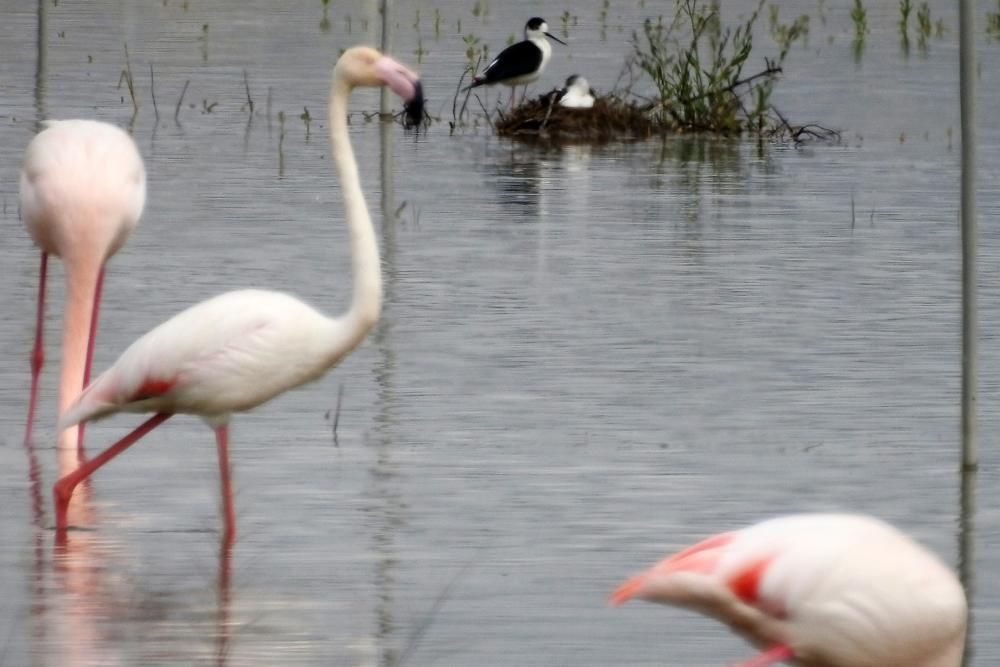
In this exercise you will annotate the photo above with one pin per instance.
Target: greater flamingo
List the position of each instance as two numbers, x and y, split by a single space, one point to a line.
83 187
240 349
819 590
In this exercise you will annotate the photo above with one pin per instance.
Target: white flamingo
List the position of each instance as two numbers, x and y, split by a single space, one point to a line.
240 349
819 590
83 188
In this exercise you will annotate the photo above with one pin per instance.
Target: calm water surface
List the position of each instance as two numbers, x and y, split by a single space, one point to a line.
588 356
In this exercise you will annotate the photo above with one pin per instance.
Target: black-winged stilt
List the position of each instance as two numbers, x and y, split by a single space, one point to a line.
577 94
520 63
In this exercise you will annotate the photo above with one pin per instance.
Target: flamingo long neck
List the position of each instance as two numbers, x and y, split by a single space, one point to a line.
81 287
366 301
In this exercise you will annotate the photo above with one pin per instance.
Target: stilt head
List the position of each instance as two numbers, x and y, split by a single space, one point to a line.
537 28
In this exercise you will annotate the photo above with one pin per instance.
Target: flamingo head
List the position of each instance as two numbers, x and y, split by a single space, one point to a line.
365 66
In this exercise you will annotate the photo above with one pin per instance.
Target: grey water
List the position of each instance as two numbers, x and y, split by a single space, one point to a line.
588 357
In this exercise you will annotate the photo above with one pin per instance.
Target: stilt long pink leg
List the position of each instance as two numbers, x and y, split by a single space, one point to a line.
229 513
38 353
63 489
91 339
771 656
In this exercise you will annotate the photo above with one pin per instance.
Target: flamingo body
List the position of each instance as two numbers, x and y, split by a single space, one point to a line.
227 354
82 191
823 590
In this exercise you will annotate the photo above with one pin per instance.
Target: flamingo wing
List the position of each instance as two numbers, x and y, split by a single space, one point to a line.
226 354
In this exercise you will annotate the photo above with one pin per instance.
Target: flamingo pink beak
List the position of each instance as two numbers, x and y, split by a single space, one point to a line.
405 83
627 591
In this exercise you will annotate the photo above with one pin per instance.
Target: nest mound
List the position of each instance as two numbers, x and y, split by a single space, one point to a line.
609 119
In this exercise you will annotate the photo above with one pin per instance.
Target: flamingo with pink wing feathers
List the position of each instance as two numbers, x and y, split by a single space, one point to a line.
238 350
818 590
82 191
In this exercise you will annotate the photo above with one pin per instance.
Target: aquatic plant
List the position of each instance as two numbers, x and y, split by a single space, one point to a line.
204 42
126 76
924 25
475 52
324 23
993 22
565 19
785 34
180 101
924 20
420 51
697 68
905 8
306 118
859 16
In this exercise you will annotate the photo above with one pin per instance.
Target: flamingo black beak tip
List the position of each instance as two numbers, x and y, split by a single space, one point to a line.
413 109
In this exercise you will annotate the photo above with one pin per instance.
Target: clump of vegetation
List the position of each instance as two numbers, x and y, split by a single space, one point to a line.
698 69
324 23
924 20
859 16
905 8
993 22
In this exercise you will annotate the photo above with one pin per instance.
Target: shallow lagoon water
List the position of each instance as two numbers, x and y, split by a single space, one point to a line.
588 357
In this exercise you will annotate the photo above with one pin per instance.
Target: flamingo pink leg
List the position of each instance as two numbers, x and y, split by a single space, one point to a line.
771 656
38 353
90 353
222 442
63 489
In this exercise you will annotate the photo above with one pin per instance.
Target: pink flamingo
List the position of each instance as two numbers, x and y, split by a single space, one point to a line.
240 349
819 590
83 187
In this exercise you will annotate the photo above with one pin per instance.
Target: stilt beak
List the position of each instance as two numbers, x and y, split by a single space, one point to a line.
551 36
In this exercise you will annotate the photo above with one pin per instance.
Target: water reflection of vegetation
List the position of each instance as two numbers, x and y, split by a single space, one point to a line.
905 8
859 16
698 163
993 22
324 23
